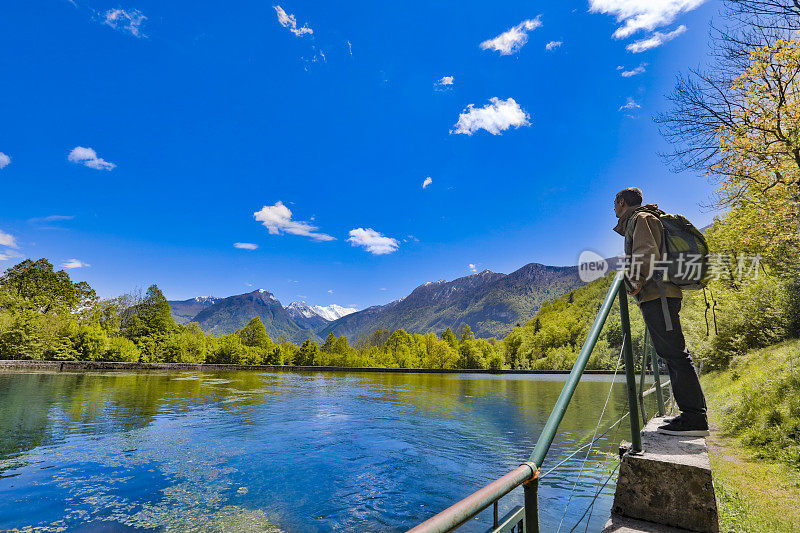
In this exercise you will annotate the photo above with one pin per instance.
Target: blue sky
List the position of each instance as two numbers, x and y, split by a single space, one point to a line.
139 140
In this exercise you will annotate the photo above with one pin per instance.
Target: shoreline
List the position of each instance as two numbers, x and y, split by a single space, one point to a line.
62 366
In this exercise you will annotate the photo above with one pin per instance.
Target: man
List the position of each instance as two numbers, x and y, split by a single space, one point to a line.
660 303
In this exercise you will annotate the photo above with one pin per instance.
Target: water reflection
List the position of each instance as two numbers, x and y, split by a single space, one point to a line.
313 451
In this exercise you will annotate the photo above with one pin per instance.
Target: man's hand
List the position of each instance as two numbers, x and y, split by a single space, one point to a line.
637 287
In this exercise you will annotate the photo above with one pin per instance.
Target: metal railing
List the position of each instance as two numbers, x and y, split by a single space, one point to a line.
526 519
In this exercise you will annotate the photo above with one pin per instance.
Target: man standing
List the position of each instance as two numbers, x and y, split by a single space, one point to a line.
660 303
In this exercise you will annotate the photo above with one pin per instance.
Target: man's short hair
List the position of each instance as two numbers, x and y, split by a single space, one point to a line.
631 195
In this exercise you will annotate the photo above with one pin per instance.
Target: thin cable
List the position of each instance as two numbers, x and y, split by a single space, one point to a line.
591 505
573 454
589 450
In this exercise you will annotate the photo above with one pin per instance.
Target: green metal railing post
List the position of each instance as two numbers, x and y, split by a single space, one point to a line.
630 372
531 490
642 377
557 414
657 382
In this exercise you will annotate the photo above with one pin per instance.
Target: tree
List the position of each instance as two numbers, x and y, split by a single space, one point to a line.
759 155
739 124
151 317
449 337
330 340
307 353
255 334
466 333
46 291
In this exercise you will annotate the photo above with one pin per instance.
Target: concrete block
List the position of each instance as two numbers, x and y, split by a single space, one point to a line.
668 483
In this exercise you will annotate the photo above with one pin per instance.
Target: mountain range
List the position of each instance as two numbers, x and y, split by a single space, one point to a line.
490 303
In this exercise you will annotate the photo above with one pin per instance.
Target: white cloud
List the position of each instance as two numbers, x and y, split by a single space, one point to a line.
642 15
374 242
498 116
88 157
4 160
634 72
552 45
446 82
630 104
472 267
290 23
74 263
125 20
6 239
330 291
427 182
278 219
511 41
350 48
245 245
655 40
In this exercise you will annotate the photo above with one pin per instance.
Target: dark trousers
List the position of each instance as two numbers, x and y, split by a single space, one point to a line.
671 346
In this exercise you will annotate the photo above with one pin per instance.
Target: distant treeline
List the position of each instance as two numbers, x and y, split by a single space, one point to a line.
44 315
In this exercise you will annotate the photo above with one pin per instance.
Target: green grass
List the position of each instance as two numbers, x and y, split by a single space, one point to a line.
754 408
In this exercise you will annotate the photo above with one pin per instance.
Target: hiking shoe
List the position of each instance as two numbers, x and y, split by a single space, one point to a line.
684 428
669 419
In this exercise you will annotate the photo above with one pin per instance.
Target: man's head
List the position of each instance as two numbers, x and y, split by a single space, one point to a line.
625 199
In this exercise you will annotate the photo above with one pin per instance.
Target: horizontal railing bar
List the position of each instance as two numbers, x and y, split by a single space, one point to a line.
460 512
652 389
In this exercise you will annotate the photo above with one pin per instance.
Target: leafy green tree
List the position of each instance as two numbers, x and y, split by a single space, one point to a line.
449 337
255 334
150 318
45 290
330 340
307 354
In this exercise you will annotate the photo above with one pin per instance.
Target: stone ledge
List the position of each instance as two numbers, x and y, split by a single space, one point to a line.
669 483
622 524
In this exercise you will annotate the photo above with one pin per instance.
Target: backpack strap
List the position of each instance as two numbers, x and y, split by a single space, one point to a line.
664 307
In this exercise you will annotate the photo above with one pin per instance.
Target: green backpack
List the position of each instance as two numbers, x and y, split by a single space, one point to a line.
685 250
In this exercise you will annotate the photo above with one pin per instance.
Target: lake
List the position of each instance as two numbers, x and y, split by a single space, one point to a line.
287 451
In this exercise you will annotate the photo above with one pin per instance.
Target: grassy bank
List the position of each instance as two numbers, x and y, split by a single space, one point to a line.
755 411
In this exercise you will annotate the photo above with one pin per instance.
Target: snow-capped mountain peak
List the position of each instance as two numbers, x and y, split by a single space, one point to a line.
301 309
329 313
333 311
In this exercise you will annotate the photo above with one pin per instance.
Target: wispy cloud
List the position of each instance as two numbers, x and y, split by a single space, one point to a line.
290 23
6 239
642 15
630 104
472 267
655 40
88 157
372 241
278 219
245 245
4 160
510 41
330 291
74 263
498 116
443 84
129 20
51 218
427 182
633 72
552 45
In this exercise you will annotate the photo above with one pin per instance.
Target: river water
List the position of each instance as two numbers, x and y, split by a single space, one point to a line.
288 451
